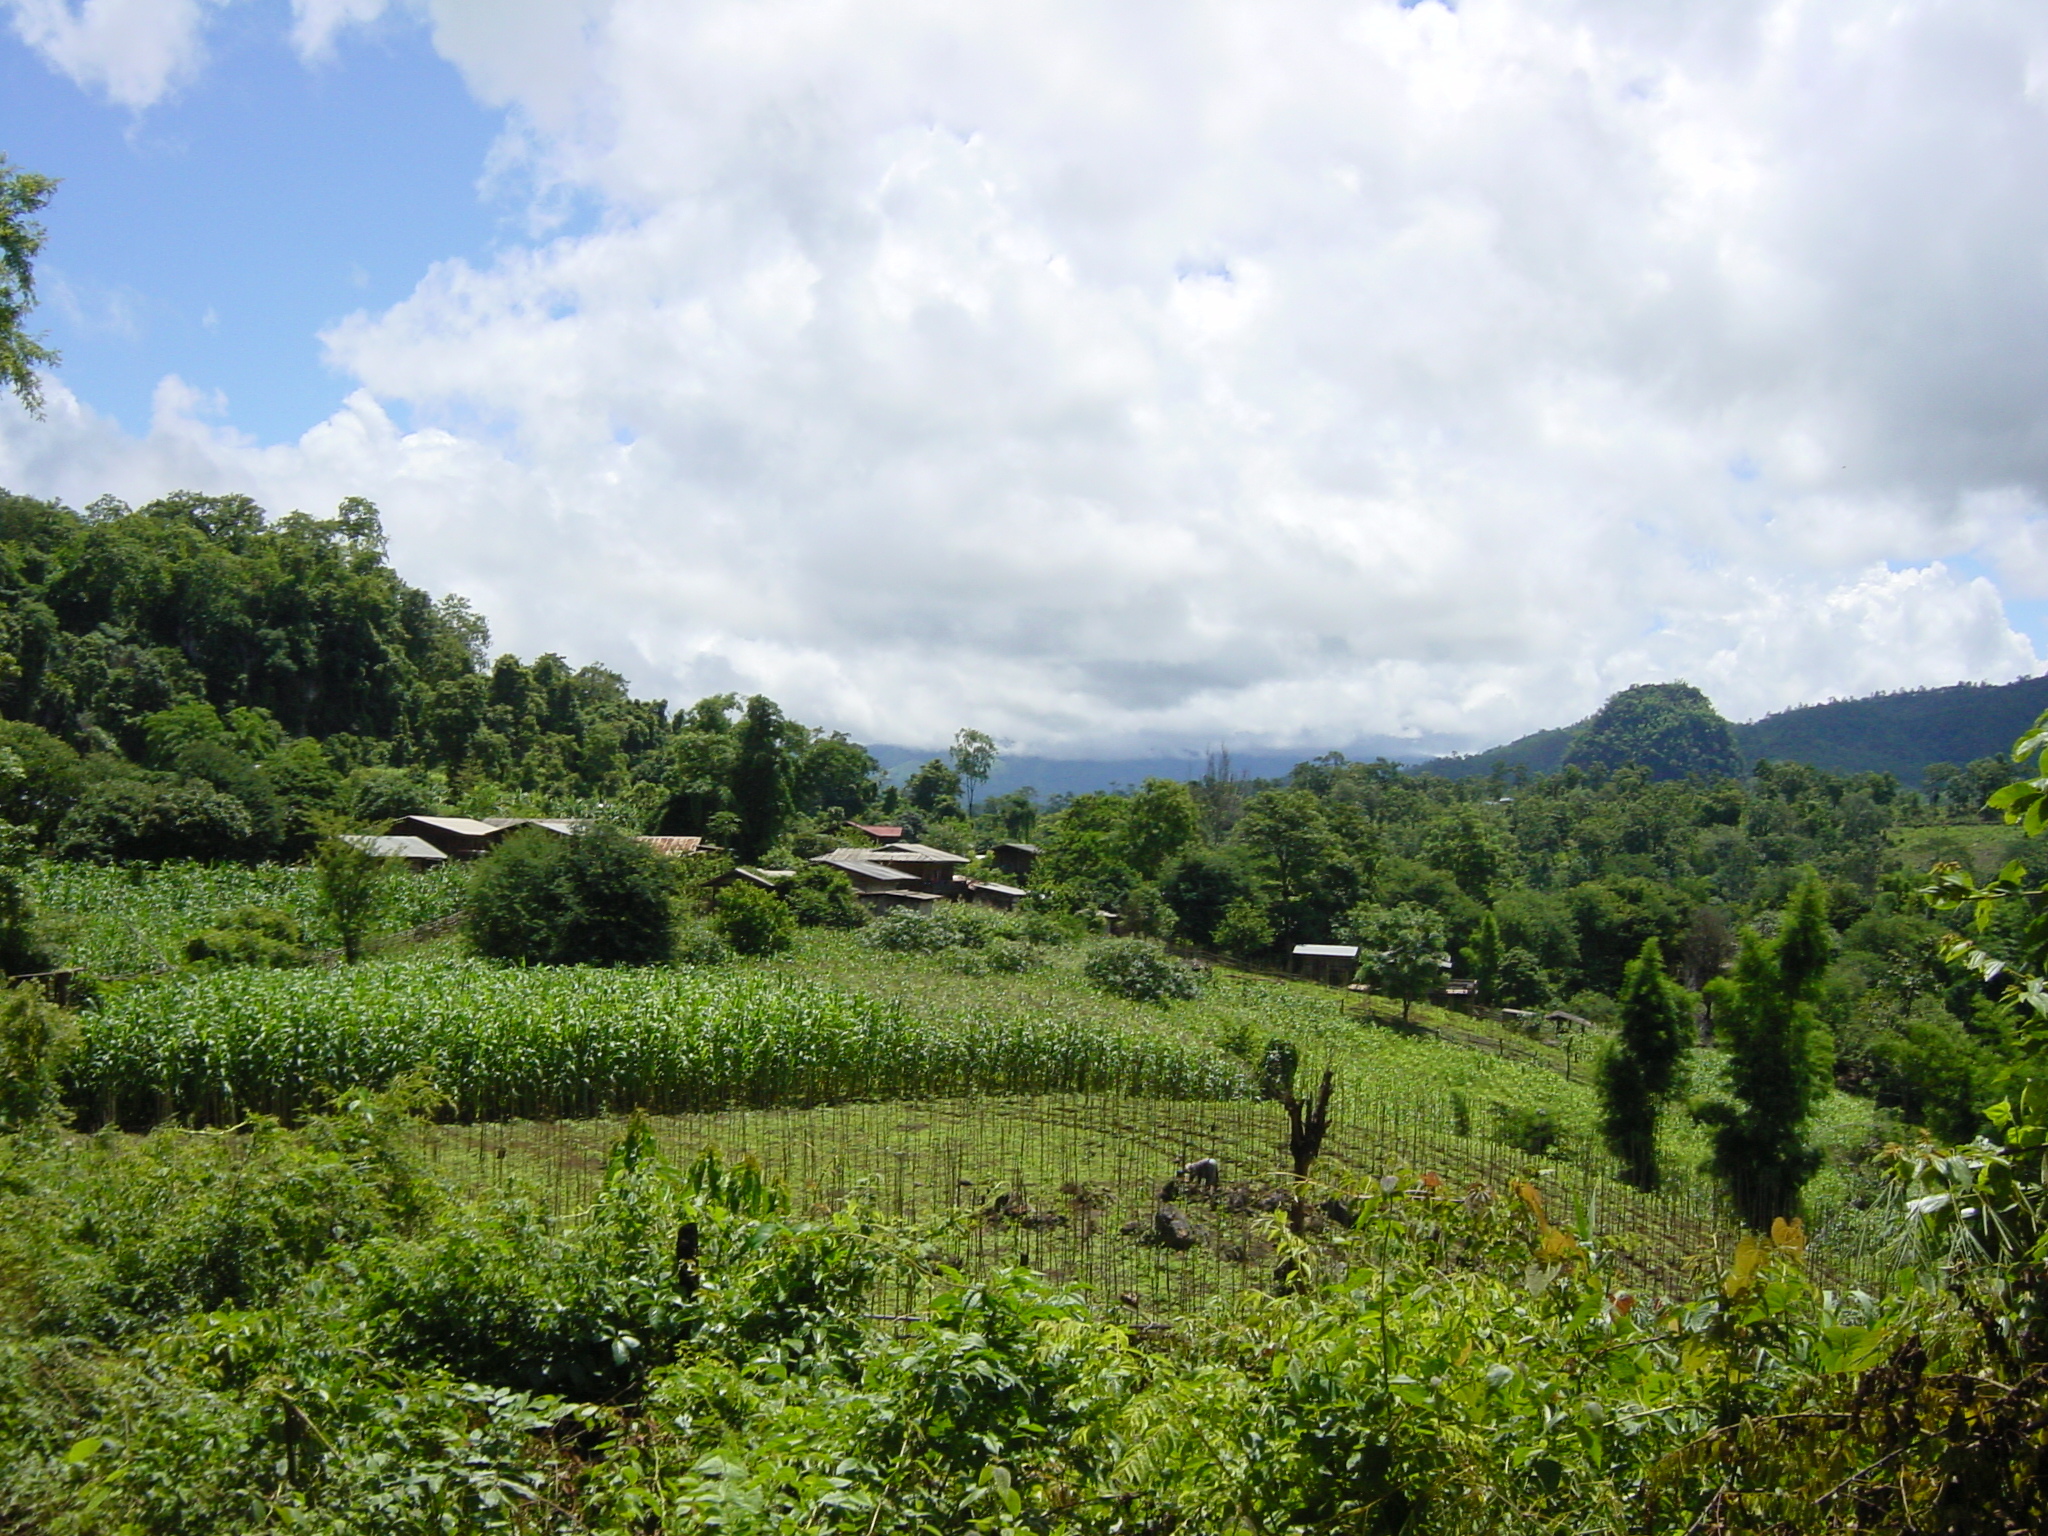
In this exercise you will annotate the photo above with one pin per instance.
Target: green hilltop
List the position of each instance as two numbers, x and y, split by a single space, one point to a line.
1902 733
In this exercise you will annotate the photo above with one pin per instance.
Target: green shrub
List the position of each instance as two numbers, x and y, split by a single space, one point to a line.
906 932
753 921
999 956
1534 1131
819 896
700 944
1141 971
250 936
597 899
1244 929
1277 1067
34 1037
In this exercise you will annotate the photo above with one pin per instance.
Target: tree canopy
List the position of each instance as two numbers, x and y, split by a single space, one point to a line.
23 195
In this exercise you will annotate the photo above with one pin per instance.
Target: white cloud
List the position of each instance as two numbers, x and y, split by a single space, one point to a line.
135 52
317 23
1155 373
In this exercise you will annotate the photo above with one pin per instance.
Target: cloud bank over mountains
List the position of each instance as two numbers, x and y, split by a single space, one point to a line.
1111 377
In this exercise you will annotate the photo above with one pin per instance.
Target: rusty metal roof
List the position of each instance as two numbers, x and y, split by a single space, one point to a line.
673 846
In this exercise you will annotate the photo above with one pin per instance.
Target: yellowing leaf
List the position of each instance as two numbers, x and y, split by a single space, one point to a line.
1749 1257
1788 1234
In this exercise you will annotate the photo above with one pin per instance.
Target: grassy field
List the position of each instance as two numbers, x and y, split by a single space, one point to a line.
1983 847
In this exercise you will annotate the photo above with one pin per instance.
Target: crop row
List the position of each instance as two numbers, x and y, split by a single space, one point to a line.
517 1044
136 917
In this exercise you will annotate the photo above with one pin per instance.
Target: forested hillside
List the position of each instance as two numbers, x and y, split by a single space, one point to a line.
194 678
1902 734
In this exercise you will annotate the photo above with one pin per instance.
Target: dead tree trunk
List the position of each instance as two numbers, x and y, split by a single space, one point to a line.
1308 1122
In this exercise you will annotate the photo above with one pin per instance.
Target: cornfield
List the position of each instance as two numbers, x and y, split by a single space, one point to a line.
116 919
568 1043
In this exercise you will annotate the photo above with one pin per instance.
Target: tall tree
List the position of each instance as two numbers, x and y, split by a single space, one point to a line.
353 886
1160 822
934 789
22 196
1400 950
974 759
760 779
1778 1060
1484 957
1640 1069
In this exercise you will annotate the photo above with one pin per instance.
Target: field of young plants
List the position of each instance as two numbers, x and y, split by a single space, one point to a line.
1068 1184
506 1043
121 919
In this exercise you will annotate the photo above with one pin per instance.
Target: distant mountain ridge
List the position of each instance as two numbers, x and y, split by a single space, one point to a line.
1897 733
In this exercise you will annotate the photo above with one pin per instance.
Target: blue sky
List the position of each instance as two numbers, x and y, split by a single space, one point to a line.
1113 378
216 233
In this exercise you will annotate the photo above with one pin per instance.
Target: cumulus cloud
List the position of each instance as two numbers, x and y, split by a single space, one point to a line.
134 52
316 24
1114 376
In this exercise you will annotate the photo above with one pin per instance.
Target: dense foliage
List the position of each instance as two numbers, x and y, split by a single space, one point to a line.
196 679
302 1330
1670 729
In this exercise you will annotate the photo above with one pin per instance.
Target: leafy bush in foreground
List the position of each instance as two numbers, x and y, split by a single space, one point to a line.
299 1333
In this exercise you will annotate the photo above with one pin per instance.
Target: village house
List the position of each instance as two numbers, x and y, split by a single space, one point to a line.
988 893
1332 964
933 868
1014 858
459 837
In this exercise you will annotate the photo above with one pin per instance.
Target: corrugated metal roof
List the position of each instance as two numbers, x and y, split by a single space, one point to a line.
854 862
461 826
672 845
882 834
1000 890
913 853
1020 847
394 847
1328 951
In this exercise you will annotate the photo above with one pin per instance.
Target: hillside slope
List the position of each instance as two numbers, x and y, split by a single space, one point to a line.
1896 733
